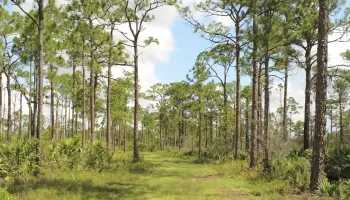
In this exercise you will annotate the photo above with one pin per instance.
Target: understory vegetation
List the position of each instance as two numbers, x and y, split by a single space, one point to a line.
261 112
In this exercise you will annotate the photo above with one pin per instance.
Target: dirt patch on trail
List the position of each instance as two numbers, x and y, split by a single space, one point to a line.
234 194
205 177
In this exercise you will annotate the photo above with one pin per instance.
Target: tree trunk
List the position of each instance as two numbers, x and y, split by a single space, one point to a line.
9 110
65 117
317 165
108 133
307 111
247 125
260 113
253 146
1 103
238 89
285 97
30 113
73 100
92 89
200 136
267 99
124 126
40 75
341 120
56 123
52 107
83 113
20 117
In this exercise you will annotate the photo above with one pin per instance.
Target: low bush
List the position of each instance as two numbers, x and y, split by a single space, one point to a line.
337 163
96 156
19 158
339 190
295 171
5 195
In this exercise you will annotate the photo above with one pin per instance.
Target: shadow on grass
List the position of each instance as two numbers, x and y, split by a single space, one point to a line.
86 189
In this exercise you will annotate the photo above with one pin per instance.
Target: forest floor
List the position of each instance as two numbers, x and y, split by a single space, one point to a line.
160 176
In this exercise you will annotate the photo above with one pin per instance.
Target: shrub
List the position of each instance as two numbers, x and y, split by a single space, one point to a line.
295 171
337 164
69 153
96 156
18 159
5 195
339 189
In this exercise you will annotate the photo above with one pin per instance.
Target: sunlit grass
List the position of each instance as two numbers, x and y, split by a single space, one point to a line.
161 175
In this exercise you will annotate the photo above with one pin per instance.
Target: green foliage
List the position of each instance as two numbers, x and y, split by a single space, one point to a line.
296 153
339 190
96 156
337 163
295 171
18 159
5 195
69 154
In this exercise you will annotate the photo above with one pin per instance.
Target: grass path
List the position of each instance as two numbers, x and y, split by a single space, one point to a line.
160 176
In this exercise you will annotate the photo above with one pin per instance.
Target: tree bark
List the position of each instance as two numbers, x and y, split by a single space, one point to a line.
52 107
285 97
253 146
238 89
20 116
92 88
317 165
40 76
108 133
247 125
307 111
267 98
200 136
341 119
9 110
83 113
1 103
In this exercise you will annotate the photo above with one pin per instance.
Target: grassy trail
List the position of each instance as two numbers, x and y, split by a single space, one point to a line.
160 176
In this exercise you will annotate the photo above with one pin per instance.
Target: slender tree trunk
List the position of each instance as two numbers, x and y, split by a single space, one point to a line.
238 89
179 124
52 107
260 112
253 146
267 98
108 133
92 89
317 165
307 111
56 123
20 116
247 125
206 131
65 117
30 113
73 101
40 76
33 119
136 94
83 113
341 120
124 126
69 119
1 103
211 130
285 97
9 109
3 115
160 132
200 136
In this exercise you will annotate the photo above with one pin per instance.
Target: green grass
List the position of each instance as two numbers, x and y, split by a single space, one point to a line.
161 175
